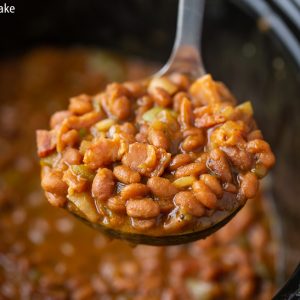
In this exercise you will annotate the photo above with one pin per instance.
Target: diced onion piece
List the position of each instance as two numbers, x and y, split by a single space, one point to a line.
151 114
83 146
260 170
164 83
105 124
84 203
185 181
245 108
83 171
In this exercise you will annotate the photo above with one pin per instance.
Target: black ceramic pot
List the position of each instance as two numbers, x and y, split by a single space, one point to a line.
251 45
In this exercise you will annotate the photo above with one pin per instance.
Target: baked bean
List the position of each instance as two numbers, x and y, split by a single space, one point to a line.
213 183
204 194
179 160
128 128
193 169
255 135
142 208
58 117
72 156
158 139
165 205
101 153
103 184
56 200
178 99
142 225
136 89
186 113
241 159
134 190
70 138
266 158
181 80
218 164
80 105
52 182
263 152
161 97
249 185
117 204
115 90
194 131
192 143
145 102
120 108
125 175
258 146
189 204
161 187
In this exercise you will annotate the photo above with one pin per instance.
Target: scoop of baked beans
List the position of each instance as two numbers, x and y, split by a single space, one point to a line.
163 156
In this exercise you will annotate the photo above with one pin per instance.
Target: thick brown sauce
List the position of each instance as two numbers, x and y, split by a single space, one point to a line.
45 252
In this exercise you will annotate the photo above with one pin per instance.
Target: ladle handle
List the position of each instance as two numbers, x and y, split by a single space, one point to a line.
186 57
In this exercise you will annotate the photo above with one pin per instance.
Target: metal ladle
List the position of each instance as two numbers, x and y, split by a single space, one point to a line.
185 58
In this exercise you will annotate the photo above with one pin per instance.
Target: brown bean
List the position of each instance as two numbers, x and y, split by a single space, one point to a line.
70 138
80 105
143 208
193 169
263 152
117 204
161 97
136 89
134 190
165 204
241 159
72 156
267 159
161 187
125 175
52 182
56 200
128 128
120 108
179 160
192 143
189 204
158 139
181 80
58 117
142 225
218 164
255 135
258 146
213 183
186 117
103 184
204 194
177 100
249 185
